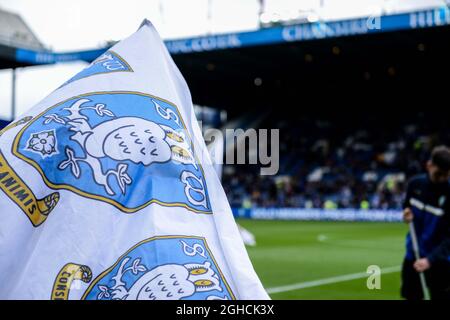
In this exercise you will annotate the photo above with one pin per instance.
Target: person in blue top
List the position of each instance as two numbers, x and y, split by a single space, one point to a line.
427 205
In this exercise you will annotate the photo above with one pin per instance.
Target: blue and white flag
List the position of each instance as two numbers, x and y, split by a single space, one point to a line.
107 190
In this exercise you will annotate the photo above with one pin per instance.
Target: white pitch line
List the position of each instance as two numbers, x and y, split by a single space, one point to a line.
321 282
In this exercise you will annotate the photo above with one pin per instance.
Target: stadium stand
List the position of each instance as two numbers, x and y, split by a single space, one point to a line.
339 160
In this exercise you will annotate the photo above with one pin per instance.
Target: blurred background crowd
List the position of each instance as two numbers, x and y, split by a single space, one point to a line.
342 160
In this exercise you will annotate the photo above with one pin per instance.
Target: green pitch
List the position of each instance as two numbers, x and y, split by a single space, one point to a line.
326 260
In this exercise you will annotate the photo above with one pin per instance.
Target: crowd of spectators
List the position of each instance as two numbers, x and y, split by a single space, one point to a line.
351 161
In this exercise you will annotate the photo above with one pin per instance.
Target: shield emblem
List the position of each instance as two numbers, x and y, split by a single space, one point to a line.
163 268
128 149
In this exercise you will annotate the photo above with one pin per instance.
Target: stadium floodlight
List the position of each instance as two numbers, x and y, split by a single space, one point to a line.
268 19
265 18
313 17
275 17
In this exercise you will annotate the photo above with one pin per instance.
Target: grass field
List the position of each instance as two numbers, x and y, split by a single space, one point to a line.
326 260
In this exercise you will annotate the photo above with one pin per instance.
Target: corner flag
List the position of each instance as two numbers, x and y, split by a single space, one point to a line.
107 190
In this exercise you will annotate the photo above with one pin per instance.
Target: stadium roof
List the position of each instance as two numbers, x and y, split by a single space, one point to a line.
15 33
267 36
273 65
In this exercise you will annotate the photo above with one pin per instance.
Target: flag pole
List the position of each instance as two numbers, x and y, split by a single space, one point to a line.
415 243
13 94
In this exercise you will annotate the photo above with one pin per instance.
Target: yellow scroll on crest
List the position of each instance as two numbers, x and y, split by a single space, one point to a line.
17 190
66 276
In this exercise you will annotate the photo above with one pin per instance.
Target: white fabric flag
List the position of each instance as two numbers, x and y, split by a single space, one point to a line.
107 190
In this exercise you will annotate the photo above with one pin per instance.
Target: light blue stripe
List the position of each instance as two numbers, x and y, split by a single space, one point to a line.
318 214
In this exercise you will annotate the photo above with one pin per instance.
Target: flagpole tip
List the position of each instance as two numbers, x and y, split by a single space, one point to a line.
147 23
